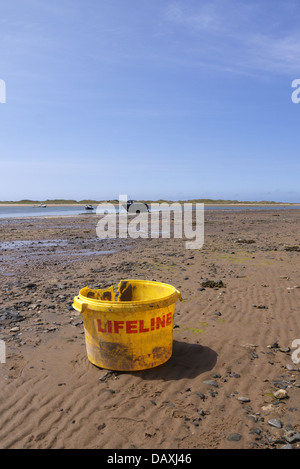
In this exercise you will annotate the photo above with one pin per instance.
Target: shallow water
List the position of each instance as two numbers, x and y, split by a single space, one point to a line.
27 211
32 243
61 210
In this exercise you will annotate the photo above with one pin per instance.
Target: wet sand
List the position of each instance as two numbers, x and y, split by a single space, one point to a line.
232 340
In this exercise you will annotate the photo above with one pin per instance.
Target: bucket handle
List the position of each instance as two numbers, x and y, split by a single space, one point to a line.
179 295
79 305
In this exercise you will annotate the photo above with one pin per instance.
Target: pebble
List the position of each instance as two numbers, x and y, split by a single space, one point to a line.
252 417
30 285
292 367
50 329
280 394
255 431
267 408
234 437
211 382
78 323
292 437
106 374
212 284
275 423
243 399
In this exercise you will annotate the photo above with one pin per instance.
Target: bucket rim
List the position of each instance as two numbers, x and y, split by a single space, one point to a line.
81 301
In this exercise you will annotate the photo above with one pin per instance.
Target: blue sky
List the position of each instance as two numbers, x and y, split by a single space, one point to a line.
150 98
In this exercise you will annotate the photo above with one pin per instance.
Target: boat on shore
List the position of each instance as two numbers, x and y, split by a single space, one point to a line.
140 207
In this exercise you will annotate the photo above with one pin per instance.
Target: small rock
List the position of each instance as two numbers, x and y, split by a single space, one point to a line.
211 382
245 241
280 394
275 423
292 367
243 399
289 427
255 431
101 426
50 329
106 374
78 323
212 284
292 437
234 437
280 383
267 408
252 417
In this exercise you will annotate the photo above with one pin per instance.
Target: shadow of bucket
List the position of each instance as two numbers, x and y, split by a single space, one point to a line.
133 333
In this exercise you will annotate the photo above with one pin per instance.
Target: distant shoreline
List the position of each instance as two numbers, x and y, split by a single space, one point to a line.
80 204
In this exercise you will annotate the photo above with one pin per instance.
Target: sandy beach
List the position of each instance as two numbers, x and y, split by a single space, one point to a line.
232 381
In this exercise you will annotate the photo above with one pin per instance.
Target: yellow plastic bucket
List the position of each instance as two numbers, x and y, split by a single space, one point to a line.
133 333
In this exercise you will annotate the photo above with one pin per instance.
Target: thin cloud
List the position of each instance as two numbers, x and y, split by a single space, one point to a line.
281 54
234 38
204 20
